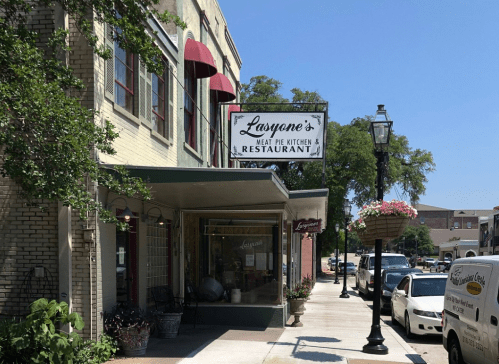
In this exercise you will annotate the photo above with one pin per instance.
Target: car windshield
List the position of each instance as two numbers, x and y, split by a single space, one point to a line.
394 278
393 261
428 287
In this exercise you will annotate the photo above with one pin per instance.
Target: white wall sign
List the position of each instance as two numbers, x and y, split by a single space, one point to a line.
277 135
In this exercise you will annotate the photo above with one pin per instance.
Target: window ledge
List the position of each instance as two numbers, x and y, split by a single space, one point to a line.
126 113
192 151
161 138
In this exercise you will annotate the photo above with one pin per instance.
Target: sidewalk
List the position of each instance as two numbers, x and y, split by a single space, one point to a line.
334 331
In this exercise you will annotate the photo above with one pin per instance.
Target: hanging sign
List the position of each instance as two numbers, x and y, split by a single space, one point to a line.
307 226
279 136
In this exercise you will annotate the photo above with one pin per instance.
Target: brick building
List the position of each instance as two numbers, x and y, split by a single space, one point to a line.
173 133
446 224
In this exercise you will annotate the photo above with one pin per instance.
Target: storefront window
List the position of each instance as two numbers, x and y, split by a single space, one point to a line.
240 254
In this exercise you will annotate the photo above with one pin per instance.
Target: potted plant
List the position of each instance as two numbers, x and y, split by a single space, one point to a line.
168 321
128 324
386 220
297 298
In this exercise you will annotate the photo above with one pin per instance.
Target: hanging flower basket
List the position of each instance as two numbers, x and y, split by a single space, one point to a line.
367 239
386 220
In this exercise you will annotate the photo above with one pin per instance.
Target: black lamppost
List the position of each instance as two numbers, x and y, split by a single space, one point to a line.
337 229
380 130
346 209
416 238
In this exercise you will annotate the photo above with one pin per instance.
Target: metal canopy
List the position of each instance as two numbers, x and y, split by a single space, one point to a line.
204 188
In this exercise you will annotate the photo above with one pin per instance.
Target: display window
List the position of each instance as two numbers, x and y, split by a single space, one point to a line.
235 259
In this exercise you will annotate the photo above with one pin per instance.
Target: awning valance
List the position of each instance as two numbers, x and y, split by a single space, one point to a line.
197 52
223 88
233 108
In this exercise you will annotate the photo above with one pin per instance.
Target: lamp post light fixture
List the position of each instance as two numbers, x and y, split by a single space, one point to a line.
337 229
380 130
346 209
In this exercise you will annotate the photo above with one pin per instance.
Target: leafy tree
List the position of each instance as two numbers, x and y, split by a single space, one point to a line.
424 242
49 140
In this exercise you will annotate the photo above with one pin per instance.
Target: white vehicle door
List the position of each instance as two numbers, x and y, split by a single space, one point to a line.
491 313
466 292
399 299
362 273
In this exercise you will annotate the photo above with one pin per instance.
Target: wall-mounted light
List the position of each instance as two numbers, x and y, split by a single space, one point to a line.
127 214
160 220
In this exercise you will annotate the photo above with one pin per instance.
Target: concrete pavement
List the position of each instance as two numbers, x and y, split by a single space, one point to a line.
334 331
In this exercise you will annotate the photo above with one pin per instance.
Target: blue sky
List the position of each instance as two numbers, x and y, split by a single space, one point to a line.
434 64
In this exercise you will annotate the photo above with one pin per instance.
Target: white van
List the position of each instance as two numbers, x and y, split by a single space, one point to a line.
365 273
471 311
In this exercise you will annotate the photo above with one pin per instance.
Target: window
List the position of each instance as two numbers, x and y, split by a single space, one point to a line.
189 105
468 224
421 220
124 73
159 86
158 258
214 117
456 225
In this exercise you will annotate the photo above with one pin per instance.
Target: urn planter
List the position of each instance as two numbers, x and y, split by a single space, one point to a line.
168 324
134 340
297 308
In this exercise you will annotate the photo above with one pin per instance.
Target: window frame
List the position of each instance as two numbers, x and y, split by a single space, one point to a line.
190 89
128 89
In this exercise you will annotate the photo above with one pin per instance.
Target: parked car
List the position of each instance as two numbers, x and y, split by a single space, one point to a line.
471 311
365 274
331 262
427 262
350 267
438 267
417 303
447 267
390 278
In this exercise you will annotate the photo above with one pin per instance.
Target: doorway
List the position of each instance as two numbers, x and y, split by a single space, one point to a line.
126 263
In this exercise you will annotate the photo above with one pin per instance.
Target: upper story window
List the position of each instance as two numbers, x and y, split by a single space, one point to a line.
456 225
468 224
214 117
123 77
190 85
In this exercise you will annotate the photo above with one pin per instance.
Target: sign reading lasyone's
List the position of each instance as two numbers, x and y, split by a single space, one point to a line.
277 135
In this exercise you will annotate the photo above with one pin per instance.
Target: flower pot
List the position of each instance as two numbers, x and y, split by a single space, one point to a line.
168 324
296 307
367 239
385 226
134 341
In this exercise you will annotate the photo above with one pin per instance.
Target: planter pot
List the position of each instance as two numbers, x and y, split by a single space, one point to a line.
296 307
168 324
134 341
367 239
385 227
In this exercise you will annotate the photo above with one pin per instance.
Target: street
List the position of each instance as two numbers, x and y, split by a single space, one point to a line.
429 347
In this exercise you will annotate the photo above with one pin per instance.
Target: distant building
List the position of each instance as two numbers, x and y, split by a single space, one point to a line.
447 224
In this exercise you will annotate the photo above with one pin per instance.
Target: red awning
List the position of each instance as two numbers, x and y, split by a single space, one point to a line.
197 52
223 88
233 108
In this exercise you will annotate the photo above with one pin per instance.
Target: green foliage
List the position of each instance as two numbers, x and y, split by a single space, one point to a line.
37 339
96 352
50 142
423 238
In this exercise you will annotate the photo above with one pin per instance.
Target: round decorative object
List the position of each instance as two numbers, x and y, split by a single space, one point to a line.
296 307
386 226
134 341
168 324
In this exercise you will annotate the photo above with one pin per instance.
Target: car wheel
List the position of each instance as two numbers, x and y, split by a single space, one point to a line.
368 294
394 320
455 355
408 332
357 284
